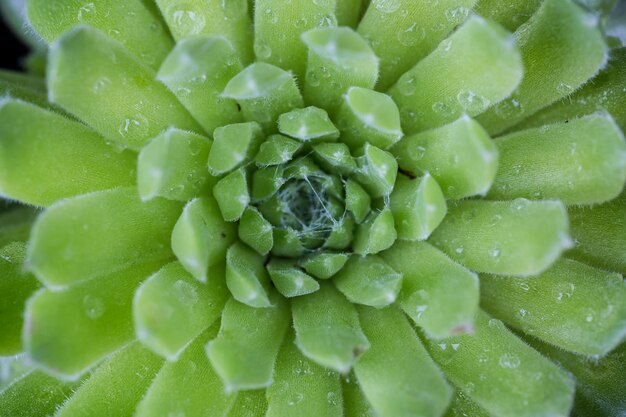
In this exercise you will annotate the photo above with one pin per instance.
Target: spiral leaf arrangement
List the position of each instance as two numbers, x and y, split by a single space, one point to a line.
315 208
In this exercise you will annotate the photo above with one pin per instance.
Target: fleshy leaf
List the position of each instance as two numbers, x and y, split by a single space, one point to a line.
264 93
201 237
233 145
196 71
191 18
100 82
172 165
339 58
34 140
368 116
94 317
279 25
266 182
244 352
403 32
15 286
40 391
302 387
562 47
129 22
188 386
599 234
418 206
276 150
256 231
369 280
327 328
355 403
396 374
116 386
581 162
171 308
502 374
324 265
603 93
232 194
249 403
335 157
518 237
571 305
377 170
114 224
246 276
474 77
310 124
290 280
438 294
358 201
460 156
511 14
376 234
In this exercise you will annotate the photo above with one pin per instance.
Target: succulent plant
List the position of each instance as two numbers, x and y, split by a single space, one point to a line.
313 208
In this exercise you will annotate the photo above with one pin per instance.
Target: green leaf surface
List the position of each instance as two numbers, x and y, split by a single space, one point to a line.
562 47
396 374
42 393
172 166
570 305
99 81
403 32
518 237
369 280
129 22
192 18
324 265
460 156
201 237
34 140
310 124
599 234
116 386
244 352
171 308
580 162
474 77
511 14
94 317
249 403
234 145
114 224
339 58
189 386
246 276
327 328
256 231
438 294
355 403
196 71
375 234
418 206
289 279
377 170
276 150
232 194
16 286
278 27
368 116
302 387
502 374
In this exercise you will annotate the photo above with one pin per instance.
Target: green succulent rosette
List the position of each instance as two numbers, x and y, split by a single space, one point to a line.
324 208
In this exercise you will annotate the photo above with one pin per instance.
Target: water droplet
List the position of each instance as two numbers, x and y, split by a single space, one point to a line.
416 153
524 286
509 108
186 292
564 89
442 108
295 399
387 6
472 102
94 307
188 22
183 92
522 312
270 16
85 11
509 361
136 125
520 203
101 84
494 252
411 36
262 50
459 249
457 15
331 397
301 23
495 220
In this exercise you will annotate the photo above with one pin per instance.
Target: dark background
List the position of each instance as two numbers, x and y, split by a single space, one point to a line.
11 49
